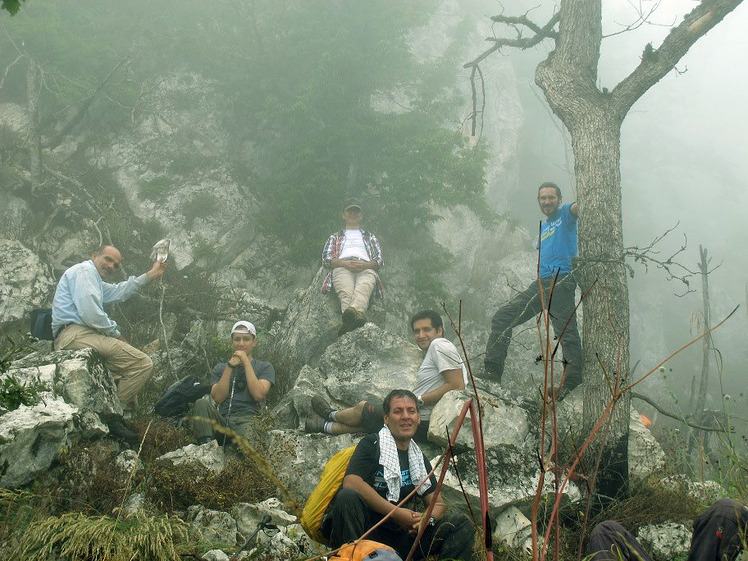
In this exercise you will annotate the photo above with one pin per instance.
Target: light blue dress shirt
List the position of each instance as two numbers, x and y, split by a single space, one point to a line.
81 295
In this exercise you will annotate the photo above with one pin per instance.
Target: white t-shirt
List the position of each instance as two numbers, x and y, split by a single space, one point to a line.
353 246
441 355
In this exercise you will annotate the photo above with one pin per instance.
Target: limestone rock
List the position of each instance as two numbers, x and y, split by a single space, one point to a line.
505 425
213 525
365 363
210 456
645 453
312 321
703 491
128 462
215 555
31 438
74 389
25 282
665 541
79 377
248 515
298 459
513 528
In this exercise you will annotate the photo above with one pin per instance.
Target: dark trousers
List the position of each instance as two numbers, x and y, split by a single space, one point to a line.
526 305
348 517
717 536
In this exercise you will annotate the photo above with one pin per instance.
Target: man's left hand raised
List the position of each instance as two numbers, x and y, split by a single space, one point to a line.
158 269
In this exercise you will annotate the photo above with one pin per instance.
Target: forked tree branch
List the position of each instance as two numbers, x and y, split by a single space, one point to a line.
519 42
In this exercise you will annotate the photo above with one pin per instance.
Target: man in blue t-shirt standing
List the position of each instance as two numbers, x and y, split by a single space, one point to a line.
557 246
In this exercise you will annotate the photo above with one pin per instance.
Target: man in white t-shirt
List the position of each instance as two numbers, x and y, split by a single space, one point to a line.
354 258
441 371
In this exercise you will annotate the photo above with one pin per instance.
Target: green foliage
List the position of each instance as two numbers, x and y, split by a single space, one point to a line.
177 487
11 6
79 537
88 480
13 394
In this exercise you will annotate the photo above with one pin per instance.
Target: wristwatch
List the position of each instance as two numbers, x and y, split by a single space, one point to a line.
419 400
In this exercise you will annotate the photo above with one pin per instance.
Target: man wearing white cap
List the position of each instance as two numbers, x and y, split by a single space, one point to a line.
239 388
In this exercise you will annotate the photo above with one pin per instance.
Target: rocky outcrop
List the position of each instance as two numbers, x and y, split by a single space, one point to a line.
365 363
311 324
25 281
666 541
73 388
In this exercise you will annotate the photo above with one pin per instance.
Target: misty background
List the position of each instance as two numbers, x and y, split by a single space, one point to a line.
684 153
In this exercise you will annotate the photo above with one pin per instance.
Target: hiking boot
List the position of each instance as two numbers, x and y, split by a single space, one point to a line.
314 424
321 407
119 429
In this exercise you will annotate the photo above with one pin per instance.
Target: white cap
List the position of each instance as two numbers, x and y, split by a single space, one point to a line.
243 327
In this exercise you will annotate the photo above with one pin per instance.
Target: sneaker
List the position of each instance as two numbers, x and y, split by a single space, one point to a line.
314 424
321 407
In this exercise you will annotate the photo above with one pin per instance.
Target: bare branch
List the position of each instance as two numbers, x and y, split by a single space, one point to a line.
8 69
545 32
676 416
656 63
643 17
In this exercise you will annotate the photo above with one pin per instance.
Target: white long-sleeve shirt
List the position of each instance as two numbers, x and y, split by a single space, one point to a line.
81 295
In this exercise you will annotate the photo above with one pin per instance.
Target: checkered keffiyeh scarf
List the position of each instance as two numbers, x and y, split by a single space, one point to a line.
391 464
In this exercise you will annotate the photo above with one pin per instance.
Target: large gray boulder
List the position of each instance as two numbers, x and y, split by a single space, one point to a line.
666 541
364 364
311 324
298 459
73 389
25 282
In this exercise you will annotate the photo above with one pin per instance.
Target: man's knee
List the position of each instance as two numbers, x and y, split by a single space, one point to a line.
202 407
347 500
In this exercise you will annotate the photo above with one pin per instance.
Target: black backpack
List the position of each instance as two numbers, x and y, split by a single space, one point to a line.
178 397
41 324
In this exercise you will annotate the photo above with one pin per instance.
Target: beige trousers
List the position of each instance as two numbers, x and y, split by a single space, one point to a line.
353 289
130 367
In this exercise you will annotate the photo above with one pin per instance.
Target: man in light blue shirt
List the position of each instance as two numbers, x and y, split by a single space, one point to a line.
79 320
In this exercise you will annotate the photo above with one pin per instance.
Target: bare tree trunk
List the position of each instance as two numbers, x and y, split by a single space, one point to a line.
707 341
706 350
34 130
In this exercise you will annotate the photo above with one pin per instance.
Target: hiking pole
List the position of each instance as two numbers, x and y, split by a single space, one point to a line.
264 523
231 400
